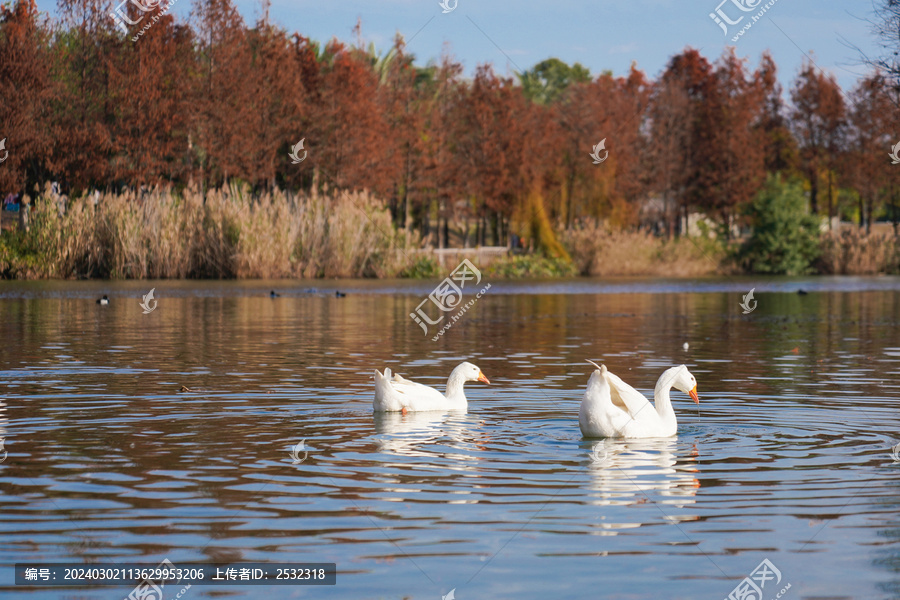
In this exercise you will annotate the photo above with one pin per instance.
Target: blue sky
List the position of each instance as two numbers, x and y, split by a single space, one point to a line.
600 34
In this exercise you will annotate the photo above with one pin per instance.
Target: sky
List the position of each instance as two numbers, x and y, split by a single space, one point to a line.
514 35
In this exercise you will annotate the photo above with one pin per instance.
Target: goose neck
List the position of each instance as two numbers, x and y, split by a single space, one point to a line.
661 398
455 384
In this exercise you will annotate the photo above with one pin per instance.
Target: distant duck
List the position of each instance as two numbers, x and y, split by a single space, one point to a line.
103 301
339 294
802 292
272 294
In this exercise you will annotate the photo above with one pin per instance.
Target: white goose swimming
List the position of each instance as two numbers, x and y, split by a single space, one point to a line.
399 394
612 408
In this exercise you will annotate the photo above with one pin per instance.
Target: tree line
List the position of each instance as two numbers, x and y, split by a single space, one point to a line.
86 102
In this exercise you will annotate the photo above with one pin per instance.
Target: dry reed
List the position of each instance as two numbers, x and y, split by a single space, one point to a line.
598 251
853 252
222 233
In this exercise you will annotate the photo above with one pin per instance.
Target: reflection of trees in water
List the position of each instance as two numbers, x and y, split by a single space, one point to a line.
198 341
4 422
888 554
317 354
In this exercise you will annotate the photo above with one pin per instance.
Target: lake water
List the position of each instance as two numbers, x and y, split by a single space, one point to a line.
786 459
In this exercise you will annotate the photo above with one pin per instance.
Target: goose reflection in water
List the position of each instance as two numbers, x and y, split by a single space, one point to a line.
445 441
427 434
3 423
632 472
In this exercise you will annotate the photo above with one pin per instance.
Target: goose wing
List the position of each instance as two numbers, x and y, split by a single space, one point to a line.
598 415
412 393
627 398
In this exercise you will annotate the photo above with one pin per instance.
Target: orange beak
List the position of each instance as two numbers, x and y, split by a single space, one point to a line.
482 378
694 395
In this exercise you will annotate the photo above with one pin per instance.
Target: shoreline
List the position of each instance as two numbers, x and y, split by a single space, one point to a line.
291 290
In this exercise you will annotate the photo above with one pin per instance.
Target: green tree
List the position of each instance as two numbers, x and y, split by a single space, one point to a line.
785 237
546 82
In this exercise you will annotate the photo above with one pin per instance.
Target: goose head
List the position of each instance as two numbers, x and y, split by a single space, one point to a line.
471 373
683 381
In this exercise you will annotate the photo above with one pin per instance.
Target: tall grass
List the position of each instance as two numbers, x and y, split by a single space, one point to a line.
222 233
853 252
599 251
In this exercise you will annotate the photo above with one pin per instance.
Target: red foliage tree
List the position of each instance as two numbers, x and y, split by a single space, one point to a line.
147 81
26 92
223 100
818 121
872 118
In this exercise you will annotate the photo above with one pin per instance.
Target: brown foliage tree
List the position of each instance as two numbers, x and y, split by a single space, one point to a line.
25 92
83 112
149 84
223 102
872 117
818 121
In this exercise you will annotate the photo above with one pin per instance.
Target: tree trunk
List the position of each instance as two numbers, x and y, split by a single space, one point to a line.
893 209
24 210
814 193
870 203
466 232
666 217
861 212
407 218
446 232
570 201
830 202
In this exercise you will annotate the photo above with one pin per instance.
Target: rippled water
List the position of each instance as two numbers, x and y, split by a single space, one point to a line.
787 457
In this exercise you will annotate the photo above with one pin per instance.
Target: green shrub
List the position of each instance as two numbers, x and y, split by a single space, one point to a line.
422 267
531 265
785 238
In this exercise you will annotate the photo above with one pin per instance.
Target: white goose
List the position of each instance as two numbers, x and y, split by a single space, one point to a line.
399 394
612 408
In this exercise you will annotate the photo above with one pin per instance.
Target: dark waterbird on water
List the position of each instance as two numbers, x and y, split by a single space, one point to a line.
339 294
103 301
272 294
